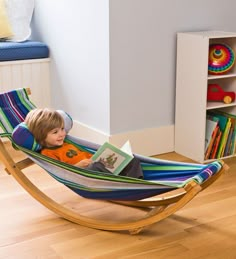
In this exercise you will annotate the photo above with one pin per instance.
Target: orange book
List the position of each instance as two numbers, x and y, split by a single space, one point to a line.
212 141
216 145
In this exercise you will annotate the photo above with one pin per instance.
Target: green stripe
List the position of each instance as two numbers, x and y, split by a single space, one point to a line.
23 96
169 168
7 122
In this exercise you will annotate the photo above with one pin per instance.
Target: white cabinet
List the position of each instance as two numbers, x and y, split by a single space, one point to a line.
192 80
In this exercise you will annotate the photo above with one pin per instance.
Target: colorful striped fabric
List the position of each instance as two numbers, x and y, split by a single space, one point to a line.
160 176
14 106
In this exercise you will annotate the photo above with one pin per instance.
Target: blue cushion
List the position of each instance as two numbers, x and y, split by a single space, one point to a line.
10 51
24 138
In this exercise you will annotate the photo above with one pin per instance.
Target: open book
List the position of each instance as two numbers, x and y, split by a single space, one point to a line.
114 159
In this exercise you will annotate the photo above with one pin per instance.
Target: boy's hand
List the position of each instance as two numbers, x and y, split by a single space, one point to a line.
84 163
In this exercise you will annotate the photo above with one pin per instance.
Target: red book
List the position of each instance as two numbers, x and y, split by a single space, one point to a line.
215 148
212 141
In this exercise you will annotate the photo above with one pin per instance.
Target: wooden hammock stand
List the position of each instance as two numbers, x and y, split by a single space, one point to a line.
160 206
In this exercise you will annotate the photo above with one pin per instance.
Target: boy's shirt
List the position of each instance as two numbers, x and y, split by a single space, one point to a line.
66 153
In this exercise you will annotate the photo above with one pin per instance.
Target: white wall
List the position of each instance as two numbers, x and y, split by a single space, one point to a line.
113 61
77 33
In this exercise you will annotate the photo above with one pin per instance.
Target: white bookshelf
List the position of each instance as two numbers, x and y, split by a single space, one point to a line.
192 79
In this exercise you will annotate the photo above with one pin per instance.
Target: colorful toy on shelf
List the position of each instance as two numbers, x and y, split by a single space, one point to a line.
217 94
221 59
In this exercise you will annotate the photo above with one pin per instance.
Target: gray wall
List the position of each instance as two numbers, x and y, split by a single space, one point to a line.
113 62
77 33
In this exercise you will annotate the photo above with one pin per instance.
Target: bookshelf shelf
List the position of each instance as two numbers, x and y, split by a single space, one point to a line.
216 105
192 80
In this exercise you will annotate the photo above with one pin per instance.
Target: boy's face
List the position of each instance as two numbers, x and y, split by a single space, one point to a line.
55 137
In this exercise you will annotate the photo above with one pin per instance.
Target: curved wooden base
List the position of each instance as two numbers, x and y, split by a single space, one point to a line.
159 211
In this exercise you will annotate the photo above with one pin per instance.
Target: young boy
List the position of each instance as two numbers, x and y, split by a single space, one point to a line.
47 126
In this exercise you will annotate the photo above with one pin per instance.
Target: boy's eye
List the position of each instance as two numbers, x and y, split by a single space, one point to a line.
55 131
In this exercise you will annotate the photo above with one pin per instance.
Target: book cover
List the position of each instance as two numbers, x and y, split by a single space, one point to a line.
231 150
224 138
224 124
221 117
229 141
216 145
212 141
233 143
114 159
211 125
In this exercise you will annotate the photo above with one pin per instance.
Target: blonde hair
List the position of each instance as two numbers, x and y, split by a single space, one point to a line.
41 121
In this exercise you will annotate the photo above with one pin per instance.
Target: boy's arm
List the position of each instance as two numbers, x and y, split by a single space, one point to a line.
84 163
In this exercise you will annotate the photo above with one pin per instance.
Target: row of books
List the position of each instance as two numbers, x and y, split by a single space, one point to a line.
220 140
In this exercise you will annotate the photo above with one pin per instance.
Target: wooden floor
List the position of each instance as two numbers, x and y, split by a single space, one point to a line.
205 228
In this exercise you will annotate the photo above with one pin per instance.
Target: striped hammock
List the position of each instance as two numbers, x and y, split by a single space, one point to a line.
160 176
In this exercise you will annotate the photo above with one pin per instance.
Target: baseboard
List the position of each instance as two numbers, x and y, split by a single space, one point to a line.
146 142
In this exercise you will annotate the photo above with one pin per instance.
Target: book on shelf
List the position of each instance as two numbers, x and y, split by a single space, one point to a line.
224 125
227 124
221 117
216 145
212 141
113 158
224 138
232 134
229 141
233 144
210 133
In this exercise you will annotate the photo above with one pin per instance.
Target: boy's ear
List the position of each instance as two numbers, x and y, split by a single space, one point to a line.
68 122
